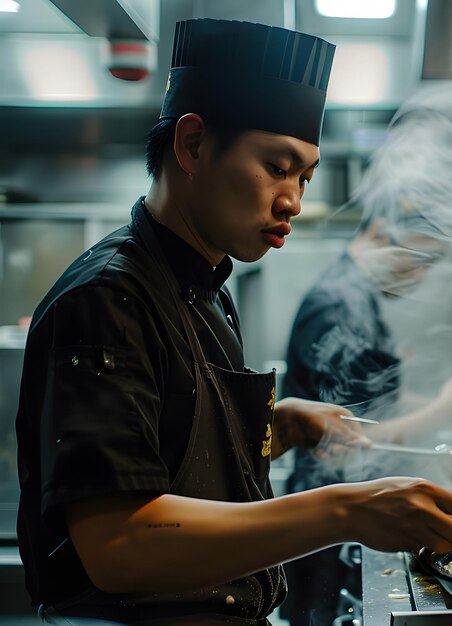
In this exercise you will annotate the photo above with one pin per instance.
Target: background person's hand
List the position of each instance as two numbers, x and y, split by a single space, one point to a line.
445 396
305 423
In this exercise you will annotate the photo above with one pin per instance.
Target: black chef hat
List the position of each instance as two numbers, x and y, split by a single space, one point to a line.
250 76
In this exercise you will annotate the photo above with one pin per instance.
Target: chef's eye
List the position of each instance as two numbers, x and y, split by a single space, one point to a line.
303 181
277 171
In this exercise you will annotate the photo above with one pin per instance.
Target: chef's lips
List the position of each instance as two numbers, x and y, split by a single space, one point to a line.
274 237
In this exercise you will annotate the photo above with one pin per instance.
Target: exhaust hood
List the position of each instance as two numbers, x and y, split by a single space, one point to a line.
437 53
117 19
58 51
64 53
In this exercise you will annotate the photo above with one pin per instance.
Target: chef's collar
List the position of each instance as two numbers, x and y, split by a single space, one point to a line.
194 273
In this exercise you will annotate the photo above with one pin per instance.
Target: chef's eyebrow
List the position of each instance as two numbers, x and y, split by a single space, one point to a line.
295 157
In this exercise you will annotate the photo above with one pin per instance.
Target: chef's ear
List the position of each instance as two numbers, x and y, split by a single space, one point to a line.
190 131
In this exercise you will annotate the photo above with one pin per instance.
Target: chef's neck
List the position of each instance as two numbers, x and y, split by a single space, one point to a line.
168 201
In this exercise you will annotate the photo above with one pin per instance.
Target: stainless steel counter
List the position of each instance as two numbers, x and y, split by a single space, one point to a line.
397 593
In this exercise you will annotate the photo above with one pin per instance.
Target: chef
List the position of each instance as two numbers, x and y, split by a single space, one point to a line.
144 441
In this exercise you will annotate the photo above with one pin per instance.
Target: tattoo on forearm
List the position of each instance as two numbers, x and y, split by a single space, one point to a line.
165 525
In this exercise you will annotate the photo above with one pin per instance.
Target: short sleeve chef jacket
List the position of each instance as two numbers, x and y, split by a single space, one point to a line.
340 348
107 393
340 351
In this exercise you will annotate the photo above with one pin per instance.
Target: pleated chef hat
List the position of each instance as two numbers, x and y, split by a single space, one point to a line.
250 76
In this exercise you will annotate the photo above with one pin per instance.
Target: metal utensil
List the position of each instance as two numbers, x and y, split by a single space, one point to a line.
440 449
353 418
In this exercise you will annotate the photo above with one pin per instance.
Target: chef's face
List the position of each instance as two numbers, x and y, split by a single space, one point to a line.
242 199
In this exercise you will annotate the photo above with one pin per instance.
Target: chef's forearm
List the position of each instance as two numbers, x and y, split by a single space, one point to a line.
176 544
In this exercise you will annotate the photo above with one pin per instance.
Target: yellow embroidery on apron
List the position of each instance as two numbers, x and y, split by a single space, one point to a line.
271 402
267 443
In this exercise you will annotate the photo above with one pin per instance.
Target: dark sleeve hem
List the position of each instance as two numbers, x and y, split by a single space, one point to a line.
60 497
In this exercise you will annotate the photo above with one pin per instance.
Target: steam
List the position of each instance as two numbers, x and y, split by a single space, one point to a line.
408 181
408 186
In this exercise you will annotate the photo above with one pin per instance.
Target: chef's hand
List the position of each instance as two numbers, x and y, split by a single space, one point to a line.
400 513
305 423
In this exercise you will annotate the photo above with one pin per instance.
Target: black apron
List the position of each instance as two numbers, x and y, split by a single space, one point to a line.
227 459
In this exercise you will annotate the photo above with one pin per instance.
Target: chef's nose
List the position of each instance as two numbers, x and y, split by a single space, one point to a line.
289 203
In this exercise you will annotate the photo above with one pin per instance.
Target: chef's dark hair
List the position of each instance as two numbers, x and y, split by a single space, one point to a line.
161 137
158 139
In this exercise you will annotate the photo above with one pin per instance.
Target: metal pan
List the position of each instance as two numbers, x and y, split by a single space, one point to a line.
433 564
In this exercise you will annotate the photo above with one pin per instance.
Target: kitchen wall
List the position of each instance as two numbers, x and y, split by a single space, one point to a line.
73 132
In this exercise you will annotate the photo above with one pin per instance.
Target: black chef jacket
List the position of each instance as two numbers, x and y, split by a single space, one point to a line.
340 349
107 363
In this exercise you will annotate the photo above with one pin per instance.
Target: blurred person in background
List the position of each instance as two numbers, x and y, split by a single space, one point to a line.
343 350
